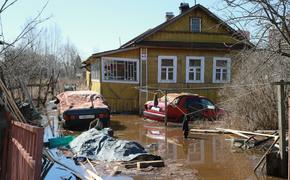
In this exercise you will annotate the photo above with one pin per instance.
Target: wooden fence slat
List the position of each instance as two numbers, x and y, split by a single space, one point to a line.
25 152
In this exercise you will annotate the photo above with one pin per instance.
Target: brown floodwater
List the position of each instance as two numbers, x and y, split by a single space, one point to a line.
208 156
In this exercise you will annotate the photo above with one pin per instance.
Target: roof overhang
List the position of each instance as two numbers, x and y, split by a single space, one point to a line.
106 53
193 45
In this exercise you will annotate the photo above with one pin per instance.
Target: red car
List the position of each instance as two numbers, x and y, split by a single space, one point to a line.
197 107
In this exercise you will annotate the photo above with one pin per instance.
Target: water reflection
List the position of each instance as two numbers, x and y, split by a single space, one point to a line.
210 155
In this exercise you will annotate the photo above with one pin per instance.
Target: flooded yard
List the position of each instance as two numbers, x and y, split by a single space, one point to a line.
201 156
207 156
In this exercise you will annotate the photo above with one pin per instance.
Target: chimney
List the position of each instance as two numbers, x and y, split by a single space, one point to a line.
169 15
183 7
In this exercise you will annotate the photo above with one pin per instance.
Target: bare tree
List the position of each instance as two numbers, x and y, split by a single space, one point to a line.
268 21
250 99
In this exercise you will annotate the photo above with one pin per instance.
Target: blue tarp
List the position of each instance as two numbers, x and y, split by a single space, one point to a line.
98 145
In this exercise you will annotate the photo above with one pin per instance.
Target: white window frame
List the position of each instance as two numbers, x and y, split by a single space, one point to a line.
191 24
215 59
120 59
201 58
92 72
174 58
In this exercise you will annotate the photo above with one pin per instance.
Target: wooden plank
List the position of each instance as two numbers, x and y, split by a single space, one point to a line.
130 165
264 156
145 164
246 132
24 153
93 175
51 157
11 103
207 131
234 132
281 125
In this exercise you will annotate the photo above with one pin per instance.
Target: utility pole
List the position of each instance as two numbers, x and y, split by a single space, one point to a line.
282 124
165 104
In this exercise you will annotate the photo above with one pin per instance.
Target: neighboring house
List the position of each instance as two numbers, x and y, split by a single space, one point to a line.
191 50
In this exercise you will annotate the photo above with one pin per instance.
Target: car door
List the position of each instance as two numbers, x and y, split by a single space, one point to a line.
209 109
174 110
193 106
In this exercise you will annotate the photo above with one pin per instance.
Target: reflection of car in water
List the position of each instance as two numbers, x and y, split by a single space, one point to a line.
196 106
80 108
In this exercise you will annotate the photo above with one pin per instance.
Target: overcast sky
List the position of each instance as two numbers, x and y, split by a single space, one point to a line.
95 25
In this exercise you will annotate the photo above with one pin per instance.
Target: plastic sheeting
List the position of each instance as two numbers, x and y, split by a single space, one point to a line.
80 99
98 145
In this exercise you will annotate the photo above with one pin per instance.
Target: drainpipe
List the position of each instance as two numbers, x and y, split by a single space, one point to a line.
165 104
147 77
141 83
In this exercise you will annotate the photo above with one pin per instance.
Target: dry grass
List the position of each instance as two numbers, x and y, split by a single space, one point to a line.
250 99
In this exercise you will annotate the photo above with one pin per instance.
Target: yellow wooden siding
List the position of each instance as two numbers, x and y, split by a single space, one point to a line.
208 23
191 37
180 30
181 63
121 97
96 86
181 70
88 78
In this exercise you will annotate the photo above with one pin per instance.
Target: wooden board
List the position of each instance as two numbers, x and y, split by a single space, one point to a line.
145 164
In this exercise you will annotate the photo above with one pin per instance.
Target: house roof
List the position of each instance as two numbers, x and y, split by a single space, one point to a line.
104 53
159 27
139 40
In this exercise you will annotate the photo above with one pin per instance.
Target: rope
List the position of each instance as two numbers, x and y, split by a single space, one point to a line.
150 88
200 110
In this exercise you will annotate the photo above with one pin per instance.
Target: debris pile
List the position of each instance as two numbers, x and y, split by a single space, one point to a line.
99 145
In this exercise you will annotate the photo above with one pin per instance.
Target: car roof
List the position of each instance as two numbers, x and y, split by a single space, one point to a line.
172 96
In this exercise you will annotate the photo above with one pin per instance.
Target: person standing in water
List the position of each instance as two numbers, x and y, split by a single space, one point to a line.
185 127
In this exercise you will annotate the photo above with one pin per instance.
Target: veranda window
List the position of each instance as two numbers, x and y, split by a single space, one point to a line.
120 70
95 71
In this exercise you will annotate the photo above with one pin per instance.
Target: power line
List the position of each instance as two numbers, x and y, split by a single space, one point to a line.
231 99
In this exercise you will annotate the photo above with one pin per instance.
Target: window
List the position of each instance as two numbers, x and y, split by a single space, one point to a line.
194 69
95 71
167 69
121 70
221 70
207 104
195 25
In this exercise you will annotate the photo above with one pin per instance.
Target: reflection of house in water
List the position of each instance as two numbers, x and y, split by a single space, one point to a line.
196 152
172 151
217 147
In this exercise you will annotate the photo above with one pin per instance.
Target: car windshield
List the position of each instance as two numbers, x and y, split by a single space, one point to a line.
207 104
193 103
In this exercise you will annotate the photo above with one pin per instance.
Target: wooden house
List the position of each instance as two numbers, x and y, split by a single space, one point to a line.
191 52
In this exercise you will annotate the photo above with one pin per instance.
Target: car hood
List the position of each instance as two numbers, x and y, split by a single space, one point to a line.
80 100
